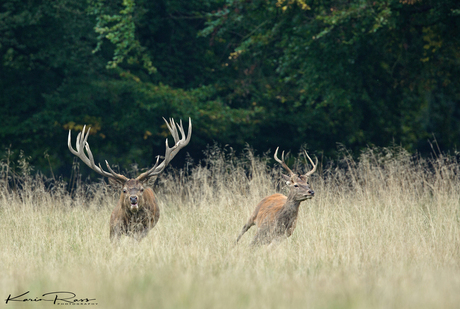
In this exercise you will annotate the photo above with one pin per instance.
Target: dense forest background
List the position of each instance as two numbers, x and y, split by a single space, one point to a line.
263 73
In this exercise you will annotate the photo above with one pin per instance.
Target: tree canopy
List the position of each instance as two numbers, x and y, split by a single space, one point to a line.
263 73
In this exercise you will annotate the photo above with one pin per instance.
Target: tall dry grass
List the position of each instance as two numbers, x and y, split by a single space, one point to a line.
382 231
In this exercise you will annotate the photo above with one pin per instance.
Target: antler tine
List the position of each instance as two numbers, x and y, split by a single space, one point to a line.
172 128
81 140
180 143
88 159
108 167
170 152
313 164
291 173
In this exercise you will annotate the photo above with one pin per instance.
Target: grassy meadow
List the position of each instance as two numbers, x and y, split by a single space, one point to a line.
383 231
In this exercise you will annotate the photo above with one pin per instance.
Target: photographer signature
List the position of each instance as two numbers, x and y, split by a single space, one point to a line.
55 297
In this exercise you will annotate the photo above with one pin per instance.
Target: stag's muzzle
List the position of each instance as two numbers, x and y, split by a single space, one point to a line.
310 193
134 205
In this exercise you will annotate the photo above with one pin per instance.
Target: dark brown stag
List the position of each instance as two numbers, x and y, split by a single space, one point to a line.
276 215
137 210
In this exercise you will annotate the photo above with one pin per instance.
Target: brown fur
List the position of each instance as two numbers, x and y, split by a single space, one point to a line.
127 221
276 215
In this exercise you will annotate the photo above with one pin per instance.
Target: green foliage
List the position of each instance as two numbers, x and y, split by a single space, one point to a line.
285 73
45 50
120 29
353 72
51 82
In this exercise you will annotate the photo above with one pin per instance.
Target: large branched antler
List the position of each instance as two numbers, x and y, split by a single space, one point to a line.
177 132
170 153
88 158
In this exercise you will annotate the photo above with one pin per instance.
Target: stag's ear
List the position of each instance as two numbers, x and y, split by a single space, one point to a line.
303 178
116 182
149 182
287 179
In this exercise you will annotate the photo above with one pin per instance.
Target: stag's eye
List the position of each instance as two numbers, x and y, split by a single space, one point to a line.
124 190
296 185
142 189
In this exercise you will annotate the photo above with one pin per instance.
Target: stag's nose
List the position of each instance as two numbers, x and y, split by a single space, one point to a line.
311 192
133 199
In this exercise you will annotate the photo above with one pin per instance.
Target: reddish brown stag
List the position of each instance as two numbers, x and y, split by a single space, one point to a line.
276 215
137 210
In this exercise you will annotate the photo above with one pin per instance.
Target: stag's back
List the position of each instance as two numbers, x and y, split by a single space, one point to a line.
267 208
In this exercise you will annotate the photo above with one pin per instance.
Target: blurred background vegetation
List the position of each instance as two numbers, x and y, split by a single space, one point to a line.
263 73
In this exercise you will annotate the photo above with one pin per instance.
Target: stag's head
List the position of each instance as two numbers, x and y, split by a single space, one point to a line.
300 189
132 195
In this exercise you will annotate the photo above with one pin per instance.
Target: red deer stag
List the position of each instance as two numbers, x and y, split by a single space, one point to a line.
137 210
276 215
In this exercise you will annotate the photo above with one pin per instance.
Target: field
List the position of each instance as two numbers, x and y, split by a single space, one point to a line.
383 231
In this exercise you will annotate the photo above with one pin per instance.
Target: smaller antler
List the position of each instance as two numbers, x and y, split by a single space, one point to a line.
313 164
291 173
83 145
170 153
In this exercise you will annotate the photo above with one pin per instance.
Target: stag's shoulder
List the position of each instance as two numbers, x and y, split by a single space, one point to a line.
149 196
151 203
269 206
